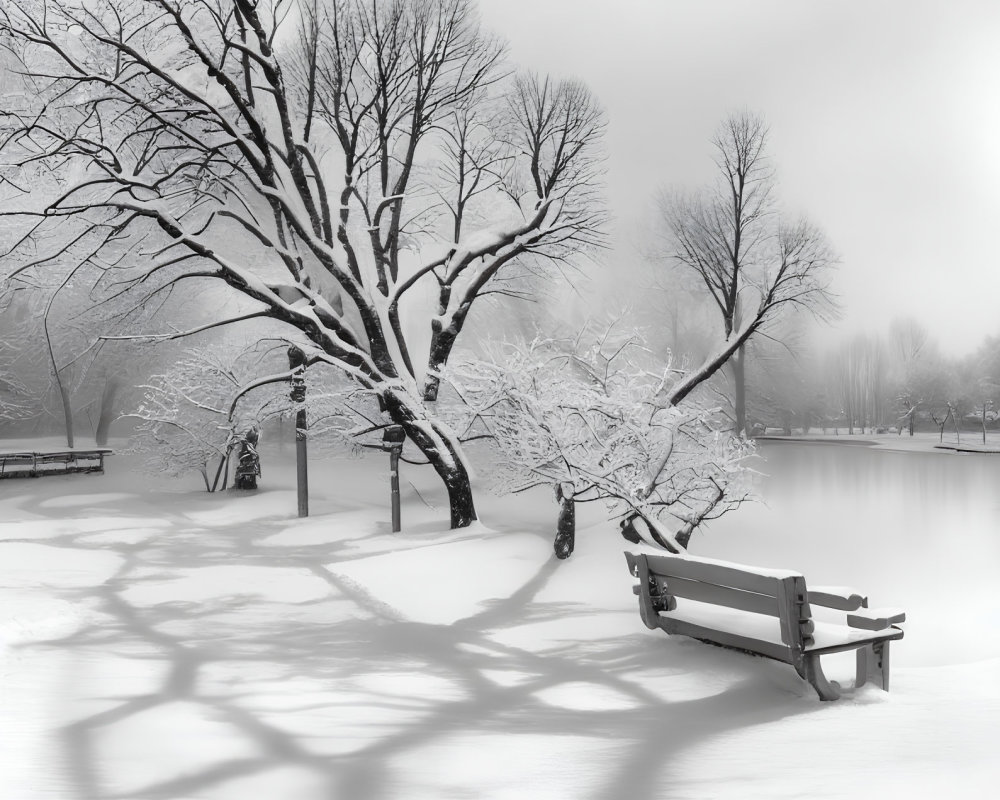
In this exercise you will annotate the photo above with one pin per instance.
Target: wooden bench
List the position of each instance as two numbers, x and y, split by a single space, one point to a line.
764 612
57 462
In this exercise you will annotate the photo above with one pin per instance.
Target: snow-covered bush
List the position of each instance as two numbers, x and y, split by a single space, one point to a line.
591 421
194 416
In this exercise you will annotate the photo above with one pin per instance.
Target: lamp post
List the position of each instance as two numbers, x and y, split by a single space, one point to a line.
297 363
392 440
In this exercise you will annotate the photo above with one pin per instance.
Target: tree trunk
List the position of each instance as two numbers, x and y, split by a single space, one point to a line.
67 411
107 414
565 539
739 391
442 340
448 463
461 505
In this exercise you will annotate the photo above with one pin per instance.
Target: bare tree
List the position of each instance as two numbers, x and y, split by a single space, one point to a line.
192 416
908 344
985 411
183 422
283 150
750 262
16 397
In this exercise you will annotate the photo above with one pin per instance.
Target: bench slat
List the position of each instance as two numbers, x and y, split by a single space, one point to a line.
719 573
827 636
841 642
682 627
721 595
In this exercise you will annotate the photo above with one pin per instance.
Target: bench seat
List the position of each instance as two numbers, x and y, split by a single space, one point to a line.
828 637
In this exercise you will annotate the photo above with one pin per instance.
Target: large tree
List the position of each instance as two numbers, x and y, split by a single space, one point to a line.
749 261
319 159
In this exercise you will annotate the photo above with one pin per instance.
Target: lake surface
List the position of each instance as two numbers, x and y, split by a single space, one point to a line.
915 530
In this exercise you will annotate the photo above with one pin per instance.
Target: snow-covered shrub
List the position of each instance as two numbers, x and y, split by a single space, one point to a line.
194 416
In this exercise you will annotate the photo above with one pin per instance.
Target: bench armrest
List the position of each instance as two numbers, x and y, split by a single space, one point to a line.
842 598
876 619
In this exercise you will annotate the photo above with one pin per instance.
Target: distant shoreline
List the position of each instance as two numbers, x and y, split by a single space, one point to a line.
918 443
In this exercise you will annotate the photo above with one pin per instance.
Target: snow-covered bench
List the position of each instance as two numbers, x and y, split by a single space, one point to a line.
765 612
56 462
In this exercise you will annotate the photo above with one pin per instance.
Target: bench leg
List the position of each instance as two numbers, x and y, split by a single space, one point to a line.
827 690
873 665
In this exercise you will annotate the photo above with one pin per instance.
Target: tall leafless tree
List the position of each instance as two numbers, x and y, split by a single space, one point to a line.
750 262
284 149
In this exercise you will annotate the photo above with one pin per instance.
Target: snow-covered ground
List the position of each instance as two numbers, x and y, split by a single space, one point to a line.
160 642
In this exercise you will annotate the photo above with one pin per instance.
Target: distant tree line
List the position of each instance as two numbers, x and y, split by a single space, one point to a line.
870 383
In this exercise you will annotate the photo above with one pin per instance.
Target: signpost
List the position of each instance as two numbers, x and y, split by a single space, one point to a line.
297 363
392 440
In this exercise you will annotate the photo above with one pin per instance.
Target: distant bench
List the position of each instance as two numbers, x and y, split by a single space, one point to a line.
764 612
56 462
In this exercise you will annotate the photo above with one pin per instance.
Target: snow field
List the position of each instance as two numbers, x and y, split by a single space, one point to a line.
159 642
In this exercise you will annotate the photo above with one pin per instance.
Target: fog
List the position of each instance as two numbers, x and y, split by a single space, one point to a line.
882 130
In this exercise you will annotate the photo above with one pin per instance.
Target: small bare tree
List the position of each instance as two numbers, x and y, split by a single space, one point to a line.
590 422
214 399
750 262
986 414
190 420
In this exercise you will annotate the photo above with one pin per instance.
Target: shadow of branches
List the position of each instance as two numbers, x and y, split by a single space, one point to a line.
328 679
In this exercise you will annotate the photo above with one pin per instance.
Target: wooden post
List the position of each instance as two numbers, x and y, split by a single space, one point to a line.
394 488
392 438
297 361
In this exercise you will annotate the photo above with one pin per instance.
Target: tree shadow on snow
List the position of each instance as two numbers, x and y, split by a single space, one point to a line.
331 681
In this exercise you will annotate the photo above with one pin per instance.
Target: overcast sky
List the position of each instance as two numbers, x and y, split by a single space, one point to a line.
884 119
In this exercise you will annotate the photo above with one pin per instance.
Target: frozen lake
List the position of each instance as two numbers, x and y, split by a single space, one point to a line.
910 529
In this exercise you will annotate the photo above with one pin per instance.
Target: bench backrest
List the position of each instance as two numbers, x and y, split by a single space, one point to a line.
776 593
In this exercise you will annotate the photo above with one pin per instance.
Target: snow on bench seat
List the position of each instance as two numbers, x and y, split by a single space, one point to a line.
827 636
